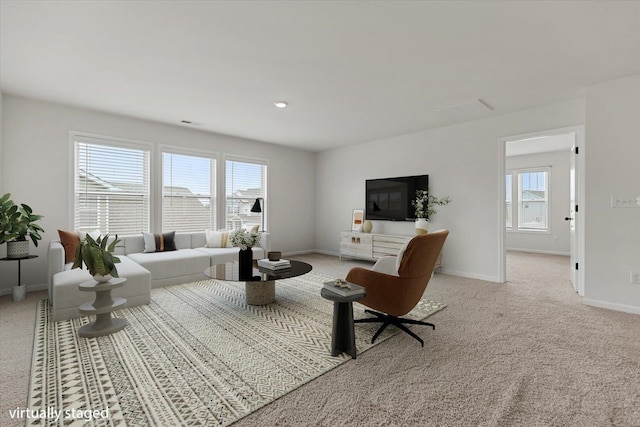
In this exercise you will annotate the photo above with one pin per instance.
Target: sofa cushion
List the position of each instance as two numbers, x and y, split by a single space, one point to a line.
159 242
222 255
66 297
163 265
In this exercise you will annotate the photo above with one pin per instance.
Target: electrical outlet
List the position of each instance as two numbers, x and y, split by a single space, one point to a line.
635 277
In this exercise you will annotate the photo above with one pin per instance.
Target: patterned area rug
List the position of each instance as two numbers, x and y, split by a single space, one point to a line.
196 356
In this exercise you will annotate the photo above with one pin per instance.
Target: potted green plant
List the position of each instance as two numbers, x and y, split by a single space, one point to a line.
425 204
16 223
97 255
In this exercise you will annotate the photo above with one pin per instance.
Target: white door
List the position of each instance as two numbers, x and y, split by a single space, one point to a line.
573 218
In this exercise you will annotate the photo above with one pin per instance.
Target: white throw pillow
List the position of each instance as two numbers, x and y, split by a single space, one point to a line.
226 239
95 234
400 255
251 228
214 238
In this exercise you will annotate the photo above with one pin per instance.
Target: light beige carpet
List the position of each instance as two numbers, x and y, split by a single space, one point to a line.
198 355
523 353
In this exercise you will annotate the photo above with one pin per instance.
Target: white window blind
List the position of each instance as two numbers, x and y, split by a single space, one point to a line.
245 182
188 195
111 187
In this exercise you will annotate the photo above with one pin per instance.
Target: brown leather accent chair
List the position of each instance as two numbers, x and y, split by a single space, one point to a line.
394 293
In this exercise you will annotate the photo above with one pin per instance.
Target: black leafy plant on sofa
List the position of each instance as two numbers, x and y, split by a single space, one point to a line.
97 255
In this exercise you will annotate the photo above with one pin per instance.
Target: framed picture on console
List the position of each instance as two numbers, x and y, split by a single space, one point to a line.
357 219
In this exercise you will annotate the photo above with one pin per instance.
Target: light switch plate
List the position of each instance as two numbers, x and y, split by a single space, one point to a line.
625 202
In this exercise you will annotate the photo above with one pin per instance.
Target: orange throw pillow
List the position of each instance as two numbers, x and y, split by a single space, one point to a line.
70 241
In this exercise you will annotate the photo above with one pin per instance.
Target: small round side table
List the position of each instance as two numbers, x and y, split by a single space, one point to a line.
343 336
102 307
19 296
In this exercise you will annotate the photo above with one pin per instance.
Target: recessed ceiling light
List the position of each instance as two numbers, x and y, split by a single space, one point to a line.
281 104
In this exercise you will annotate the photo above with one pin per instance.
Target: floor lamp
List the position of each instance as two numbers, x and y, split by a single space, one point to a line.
258 209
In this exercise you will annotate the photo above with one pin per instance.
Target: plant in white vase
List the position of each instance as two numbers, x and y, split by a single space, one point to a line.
97 255
424 205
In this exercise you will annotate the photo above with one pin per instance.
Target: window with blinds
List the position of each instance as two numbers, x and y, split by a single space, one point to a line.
245 182
111 187
188 192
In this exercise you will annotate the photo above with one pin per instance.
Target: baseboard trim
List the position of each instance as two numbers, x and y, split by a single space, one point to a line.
30 288
468 275
294 253
611 305
323 252
538 251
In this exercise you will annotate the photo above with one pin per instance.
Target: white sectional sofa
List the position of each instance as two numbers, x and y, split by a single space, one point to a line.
143 271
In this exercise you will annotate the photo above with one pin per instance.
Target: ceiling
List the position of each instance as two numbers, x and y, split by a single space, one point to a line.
351 71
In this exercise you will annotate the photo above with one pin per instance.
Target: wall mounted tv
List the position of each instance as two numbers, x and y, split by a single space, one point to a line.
390 198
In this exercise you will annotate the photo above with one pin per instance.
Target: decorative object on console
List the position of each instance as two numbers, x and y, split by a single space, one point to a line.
357 218
16 223
245 240
257 208
97 256
425 203
367 226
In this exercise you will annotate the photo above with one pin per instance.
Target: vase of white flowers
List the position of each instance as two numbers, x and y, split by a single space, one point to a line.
245 240
425 203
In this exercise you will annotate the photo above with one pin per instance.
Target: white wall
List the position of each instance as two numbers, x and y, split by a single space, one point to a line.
612 235
35 170
1 139
557 240
462 162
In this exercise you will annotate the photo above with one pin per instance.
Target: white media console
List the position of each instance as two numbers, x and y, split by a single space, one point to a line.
371 246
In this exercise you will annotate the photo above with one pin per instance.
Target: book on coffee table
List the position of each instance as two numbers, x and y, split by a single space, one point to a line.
344 289
274 265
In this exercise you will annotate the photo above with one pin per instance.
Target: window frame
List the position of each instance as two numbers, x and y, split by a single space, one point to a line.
516 200
264 216
116 142
214 176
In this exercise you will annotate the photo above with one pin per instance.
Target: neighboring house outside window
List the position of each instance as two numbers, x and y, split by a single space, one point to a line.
246 180
532 195
113 181
111 186
188 192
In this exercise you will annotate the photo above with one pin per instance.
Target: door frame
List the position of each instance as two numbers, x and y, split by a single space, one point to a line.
580 198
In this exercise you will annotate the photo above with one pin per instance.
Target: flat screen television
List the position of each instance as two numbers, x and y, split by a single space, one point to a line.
390 198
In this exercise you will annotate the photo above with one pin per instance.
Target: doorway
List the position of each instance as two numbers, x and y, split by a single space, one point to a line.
542 176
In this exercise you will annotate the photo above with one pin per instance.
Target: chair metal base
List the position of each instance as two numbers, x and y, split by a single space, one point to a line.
398 322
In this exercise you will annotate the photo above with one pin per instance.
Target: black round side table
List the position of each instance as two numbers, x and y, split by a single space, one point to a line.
19 266
343 337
